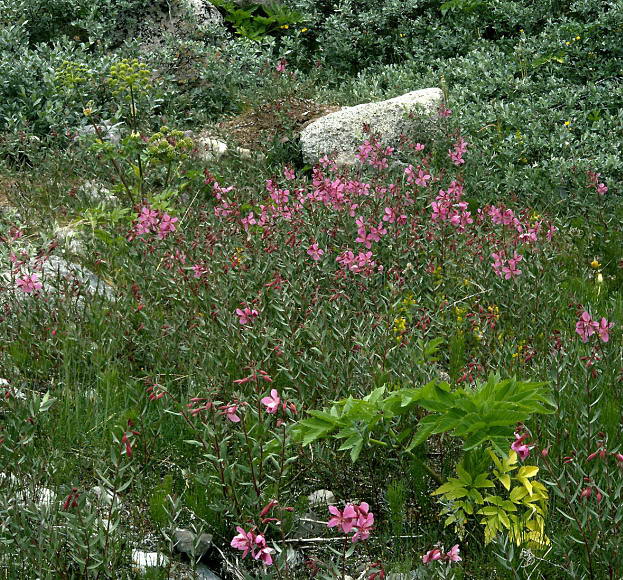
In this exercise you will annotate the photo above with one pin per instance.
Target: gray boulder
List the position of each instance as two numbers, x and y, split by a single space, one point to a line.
187 542
341 132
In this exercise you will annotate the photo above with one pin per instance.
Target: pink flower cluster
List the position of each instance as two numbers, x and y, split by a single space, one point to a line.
255 544
437 554
449 207
373 153
246 315
29 283
593 181
353 517
586 327
420 178
456 154
362 263
154 221
443 111
374 235
315 251
506 268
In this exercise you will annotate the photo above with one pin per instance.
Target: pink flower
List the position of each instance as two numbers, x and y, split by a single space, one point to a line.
601 189
248 221
264 554
453 554
288 173
315 251
166 226
586 492
550 232
244 541
272 403
147 221
520 447
281 65
422 178
29 283
585 326
443 111
419 147
246 315
602 329
199 270
364 523
511 269
344 520
456 157
431 555
230 412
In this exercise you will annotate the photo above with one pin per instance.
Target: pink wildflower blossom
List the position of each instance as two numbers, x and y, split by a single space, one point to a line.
244 541
602 327
263 551
443 111
431 556
315 251
453 554
364 523
272 402
246 315
345 520
437 554
166 226
29 283
585 326
199 270
230 411
281 65
520 447
248 221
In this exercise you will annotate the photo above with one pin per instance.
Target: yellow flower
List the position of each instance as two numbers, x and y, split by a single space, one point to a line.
304 29
286 26
409 301
568 43
577 38
400 325
494 310
567 123
595 264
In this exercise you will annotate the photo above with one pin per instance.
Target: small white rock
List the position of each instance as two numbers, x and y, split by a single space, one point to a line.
211 149
105 496
204 573
142 560
321 497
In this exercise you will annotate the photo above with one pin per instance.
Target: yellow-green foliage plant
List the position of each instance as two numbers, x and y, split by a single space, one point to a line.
503 493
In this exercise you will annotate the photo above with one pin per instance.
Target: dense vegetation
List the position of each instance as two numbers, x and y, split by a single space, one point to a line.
433 335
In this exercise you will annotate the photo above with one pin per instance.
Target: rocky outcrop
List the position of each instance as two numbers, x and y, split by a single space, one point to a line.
341 132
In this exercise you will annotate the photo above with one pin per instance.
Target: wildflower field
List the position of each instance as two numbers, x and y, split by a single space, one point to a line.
406 368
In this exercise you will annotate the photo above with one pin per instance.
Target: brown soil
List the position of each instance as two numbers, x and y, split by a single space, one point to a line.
255 128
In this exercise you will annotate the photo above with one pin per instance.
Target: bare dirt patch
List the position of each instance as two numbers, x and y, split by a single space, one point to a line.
277 120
